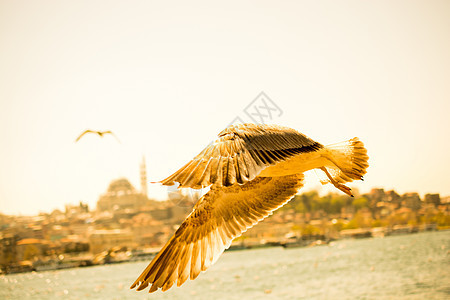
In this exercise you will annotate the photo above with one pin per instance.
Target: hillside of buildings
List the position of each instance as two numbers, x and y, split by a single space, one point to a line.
126 224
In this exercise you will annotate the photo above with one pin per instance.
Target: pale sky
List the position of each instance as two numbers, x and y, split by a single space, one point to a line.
166 77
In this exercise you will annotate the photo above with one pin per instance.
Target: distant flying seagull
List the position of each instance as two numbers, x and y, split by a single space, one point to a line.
252 170
100 133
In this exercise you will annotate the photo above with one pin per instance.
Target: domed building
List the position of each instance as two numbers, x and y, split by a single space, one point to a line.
121 195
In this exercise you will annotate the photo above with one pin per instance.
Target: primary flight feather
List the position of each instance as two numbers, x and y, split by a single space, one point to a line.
252 170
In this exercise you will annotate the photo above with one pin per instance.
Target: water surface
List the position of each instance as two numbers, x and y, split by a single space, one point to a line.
415 266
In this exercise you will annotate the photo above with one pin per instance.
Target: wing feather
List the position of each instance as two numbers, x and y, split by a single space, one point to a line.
83 133
221 215
195 260
239 154
183 269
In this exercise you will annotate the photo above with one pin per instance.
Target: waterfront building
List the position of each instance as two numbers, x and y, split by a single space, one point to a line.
104 240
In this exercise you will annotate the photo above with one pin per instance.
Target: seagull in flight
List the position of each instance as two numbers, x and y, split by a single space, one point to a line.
251 170
100 133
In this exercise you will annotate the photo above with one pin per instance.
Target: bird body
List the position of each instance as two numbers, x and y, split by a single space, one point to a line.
348 159
251 170
296 164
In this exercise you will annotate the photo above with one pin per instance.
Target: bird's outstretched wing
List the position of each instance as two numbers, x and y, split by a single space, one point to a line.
240 153
221 215
84 132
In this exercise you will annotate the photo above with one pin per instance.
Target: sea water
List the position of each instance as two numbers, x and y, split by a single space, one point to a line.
415 266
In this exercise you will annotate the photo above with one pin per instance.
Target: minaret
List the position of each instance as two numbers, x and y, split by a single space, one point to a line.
143 177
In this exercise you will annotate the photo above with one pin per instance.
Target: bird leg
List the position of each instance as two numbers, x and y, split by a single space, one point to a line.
338 185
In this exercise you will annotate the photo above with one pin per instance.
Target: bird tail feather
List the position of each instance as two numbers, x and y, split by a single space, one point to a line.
349 161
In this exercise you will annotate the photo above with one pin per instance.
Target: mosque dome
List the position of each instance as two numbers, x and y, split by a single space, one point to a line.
120 186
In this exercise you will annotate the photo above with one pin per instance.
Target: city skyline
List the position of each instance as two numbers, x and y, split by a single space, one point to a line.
166 85
140 190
